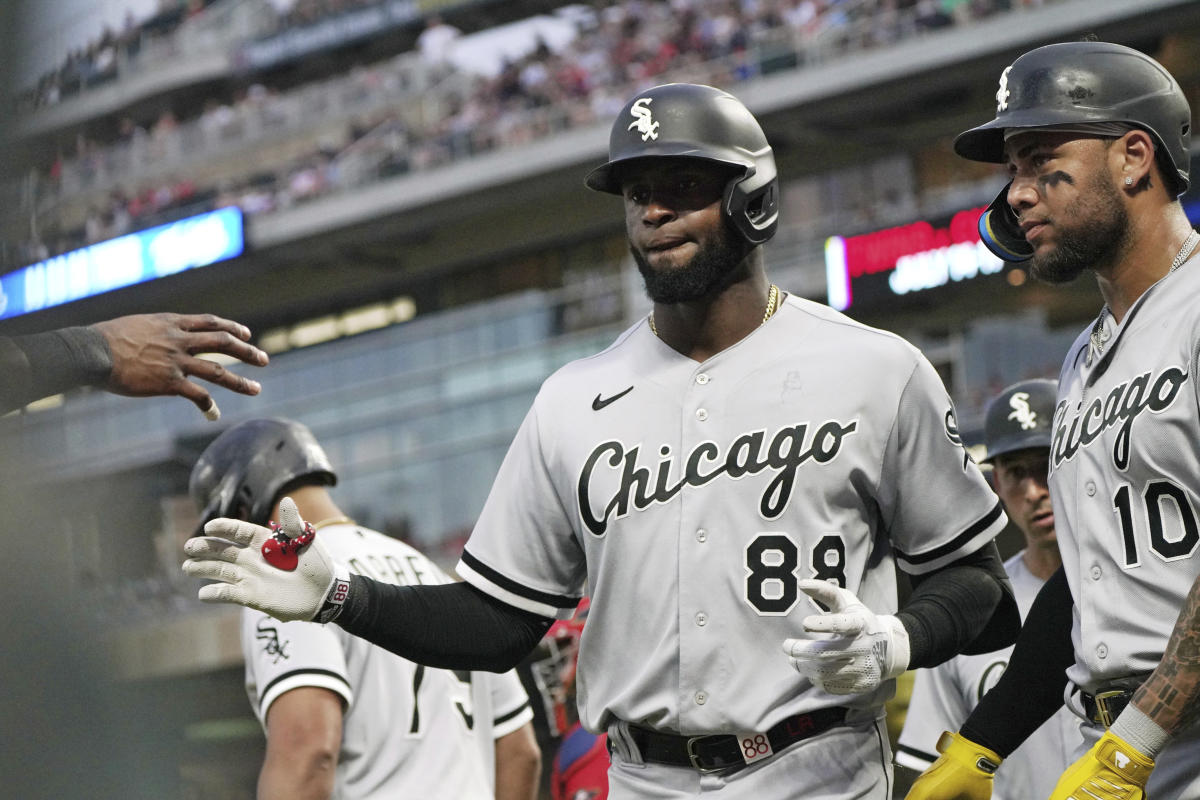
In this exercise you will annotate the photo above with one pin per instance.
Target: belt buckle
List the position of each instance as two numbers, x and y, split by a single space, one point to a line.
1104 712
695 758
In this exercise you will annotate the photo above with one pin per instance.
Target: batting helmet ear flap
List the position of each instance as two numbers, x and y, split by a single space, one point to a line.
1001 232
752 205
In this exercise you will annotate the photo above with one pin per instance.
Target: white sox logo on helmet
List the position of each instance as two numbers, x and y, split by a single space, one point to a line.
1124 403
749 454
1022 414
642 120
1002 93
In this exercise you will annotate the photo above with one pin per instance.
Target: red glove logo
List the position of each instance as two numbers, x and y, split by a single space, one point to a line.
282 551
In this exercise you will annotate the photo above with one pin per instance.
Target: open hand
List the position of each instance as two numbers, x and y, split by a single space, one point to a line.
155 354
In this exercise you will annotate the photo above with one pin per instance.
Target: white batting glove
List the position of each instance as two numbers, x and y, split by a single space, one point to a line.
865 649
285 572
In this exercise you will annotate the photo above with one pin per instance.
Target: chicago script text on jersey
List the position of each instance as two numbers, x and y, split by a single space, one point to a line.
1124 403
749 454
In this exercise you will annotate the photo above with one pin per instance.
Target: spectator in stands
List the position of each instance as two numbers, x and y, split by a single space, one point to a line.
436 42
622 43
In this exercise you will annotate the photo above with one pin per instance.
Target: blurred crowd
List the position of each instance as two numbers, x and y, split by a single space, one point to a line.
96 63
617 47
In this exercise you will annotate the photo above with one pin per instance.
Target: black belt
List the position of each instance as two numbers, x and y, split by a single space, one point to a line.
724 751
1106 705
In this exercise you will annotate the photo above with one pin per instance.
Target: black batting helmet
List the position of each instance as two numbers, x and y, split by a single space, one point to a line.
248 465
1020 417
1075 83
688 120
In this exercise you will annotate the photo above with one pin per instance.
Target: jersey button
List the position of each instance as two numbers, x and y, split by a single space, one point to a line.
702 619
1102 651
701 698
701 414
1090 488
1096 572
702 378
702 536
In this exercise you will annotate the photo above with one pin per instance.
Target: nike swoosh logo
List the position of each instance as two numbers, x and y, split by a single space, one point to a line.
600 403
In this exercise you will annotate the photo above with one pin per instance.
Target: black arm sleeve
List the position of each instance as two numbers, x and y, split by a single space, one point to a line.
1031 688
452 626
43 364
965 607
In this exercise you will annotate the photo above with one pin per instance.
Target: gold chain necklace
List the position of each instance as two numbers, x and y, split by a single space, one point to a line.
772 307
332 521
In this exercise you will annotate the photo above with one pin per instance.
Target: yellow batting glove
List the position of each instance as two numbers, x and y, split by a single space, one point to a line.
1112 770
963 771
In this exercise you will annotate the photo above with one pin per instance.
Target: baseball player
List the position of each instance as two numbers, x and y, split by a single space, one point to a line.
344 718
1096 137
1017 433
739 470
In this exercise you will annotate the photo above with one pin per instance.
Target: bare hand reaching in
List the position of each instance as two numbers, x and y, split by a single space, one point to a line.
155 354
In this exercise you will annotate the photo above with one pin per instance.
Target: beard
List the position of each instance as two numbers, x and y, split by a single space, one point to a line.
1090 243
712 268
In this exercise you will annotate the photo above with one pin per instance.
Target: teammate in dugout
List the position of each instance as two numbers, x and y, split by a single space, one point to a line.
1018 426
1096 140
729 464
343 718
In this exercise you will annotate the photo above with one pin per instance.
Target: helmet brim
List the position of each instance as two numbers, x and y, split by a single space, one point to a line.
1034 440
607 177
986 142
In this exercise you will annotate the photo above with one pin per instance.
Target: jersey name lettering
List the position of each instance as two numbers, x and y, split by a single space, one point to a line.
749 454
1123 404
407 571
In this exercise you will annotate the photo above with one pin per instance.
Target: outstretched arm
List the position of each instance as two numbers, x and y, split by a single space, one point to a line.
155 354
139 356
453 626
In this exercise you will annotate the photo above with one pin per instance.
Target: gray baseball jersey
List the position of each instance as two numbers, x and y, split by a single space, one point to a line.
408 730
1125 483
688 498
945 695
1125 480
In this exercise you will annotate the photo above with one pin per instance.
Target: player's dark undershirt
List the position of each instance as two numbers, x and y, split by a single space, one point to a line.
456 626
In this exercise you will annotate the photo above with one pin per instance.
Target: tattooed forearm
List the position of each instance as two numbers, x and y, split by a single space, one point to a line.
1171 696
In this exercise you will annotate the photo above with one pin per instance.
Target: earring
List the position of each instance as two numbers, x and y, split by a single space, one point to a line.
1128 181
